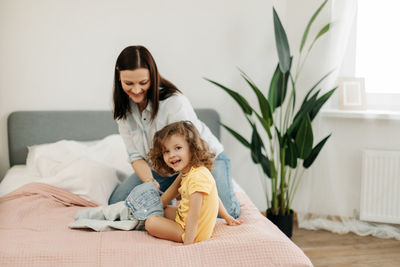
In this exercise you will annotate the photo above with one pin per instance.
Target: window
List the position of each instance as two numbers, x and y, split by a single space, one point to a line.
378 44
378 52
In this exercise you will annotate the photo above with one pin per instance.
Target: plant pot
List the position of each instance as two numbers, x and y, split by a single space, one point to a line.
284 222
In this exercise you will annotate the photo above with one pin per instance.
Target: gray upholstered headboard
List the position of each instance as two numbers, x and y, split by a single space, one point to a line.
27 128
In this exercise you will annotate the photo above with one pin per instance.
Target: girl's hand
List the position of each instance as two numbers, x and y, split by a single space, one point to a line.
232 221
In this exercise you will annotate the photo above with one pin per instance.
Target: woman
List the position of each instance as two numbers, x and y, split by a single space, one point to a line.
145 102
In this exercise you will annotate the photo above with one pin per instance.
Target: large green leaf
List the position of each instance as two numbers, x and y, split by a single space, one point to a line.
265 107
246 108
309 107
304 138
266 124
320 102
265 164
277 88
282 44
324 30
256 142
291 154
274 88
315 86
256 151
240 138
314 16
308 104
280 138
300 115
314 153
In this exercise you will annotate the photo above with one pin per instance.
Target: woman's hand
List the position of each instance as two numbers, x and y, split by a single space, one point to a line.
142 169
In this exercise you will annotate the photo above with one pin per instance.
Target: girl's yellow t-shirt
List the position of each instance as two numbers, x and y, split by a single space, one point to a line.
199 179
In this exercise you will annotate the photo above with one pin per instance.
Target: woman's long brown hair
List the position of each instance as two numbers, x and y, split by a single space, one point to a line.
135 57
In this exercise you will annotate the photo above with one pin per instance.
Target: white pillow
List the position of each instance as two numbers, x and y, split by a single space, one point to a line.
89 169
48 159
89 179
16 176
111 151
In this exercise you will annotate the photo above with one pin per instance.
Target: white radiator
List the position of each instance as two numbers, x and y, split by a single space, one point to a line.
380 186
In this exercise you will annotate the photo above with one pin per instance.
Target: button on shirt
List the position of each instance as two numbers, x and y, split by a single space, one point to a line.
137 130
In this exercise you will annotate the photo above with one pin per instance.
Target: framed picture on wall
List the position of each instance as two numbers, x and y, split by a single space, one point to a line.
352 93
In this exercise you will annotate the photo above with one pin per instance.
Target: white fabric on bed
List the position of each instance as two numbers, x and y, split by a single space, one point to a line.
88 169
48 159
86 178
16 177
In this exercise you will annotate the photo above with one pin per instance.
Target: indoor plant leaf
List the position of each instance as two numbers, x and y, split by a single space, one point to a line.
236 96
266 124
304 138
277 89
266 165
282 44
301 113
265 107
320 102
240 138
324 30
256 151
291 154
314 153
314 16
256 141
315 86
293 91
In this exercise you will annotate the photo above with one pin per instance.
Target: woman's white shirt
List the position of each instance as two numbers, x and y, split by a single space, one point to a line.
137 130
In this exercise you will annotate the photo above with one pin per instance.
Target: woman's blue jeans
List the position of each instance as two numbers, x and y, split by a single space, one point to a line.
222 175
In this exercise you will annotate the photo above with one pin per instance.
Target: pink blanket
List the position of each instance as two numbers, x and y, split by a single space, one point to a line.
34 232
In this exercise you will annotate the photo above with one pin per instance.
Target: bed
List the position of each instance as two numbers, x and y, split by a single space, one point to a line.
71 157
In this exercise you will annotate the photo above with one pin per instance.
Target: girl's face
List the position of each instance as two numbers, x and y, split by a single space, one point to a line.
135 84
177 153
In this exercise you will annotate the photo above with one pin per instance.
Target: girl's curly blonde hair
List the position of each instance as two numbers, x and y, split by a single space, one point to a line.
200 153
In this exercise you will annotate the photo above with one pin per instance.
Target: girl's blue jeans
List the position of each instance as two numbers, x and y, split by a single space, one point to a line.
222 175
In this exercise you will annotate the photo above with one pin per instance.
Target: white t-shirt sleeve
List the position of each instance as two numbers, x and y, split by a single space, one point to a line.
132 140
180 109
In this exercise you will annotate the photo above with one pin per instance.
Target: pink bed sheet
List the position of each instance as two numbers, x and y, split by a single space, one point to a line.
34 232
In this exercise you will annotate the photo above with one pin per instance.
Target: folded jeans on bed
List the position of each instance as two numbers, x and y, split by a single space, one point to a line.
143 201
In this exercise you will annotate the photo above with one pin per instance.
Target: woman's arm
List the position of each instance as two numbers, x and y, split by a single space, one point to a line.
192 219
225 215
142 169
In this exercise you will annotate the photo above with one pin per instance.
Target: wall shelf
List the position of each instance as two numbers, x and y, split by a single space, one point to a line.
361 114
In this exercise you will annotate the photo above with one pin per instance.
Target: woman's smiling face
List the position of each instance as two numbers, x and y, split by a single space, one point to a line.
135 84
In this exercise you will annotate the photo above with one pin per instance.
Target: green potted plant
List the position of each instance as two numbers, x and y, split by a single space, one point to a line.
288 145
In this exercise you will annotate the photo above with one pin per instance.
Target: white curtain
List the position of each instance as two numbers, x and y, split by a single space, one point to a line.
322 201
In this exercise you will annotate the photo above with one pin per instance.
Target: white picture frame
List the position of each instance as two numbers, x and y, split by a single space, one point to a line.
352 93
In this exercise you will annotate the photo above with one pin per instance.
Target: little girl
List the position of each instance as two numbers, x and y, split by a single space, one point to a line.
178 148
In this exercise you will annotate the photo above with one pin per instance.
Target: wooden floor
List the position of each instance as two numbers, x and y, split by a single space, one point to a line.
328 249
